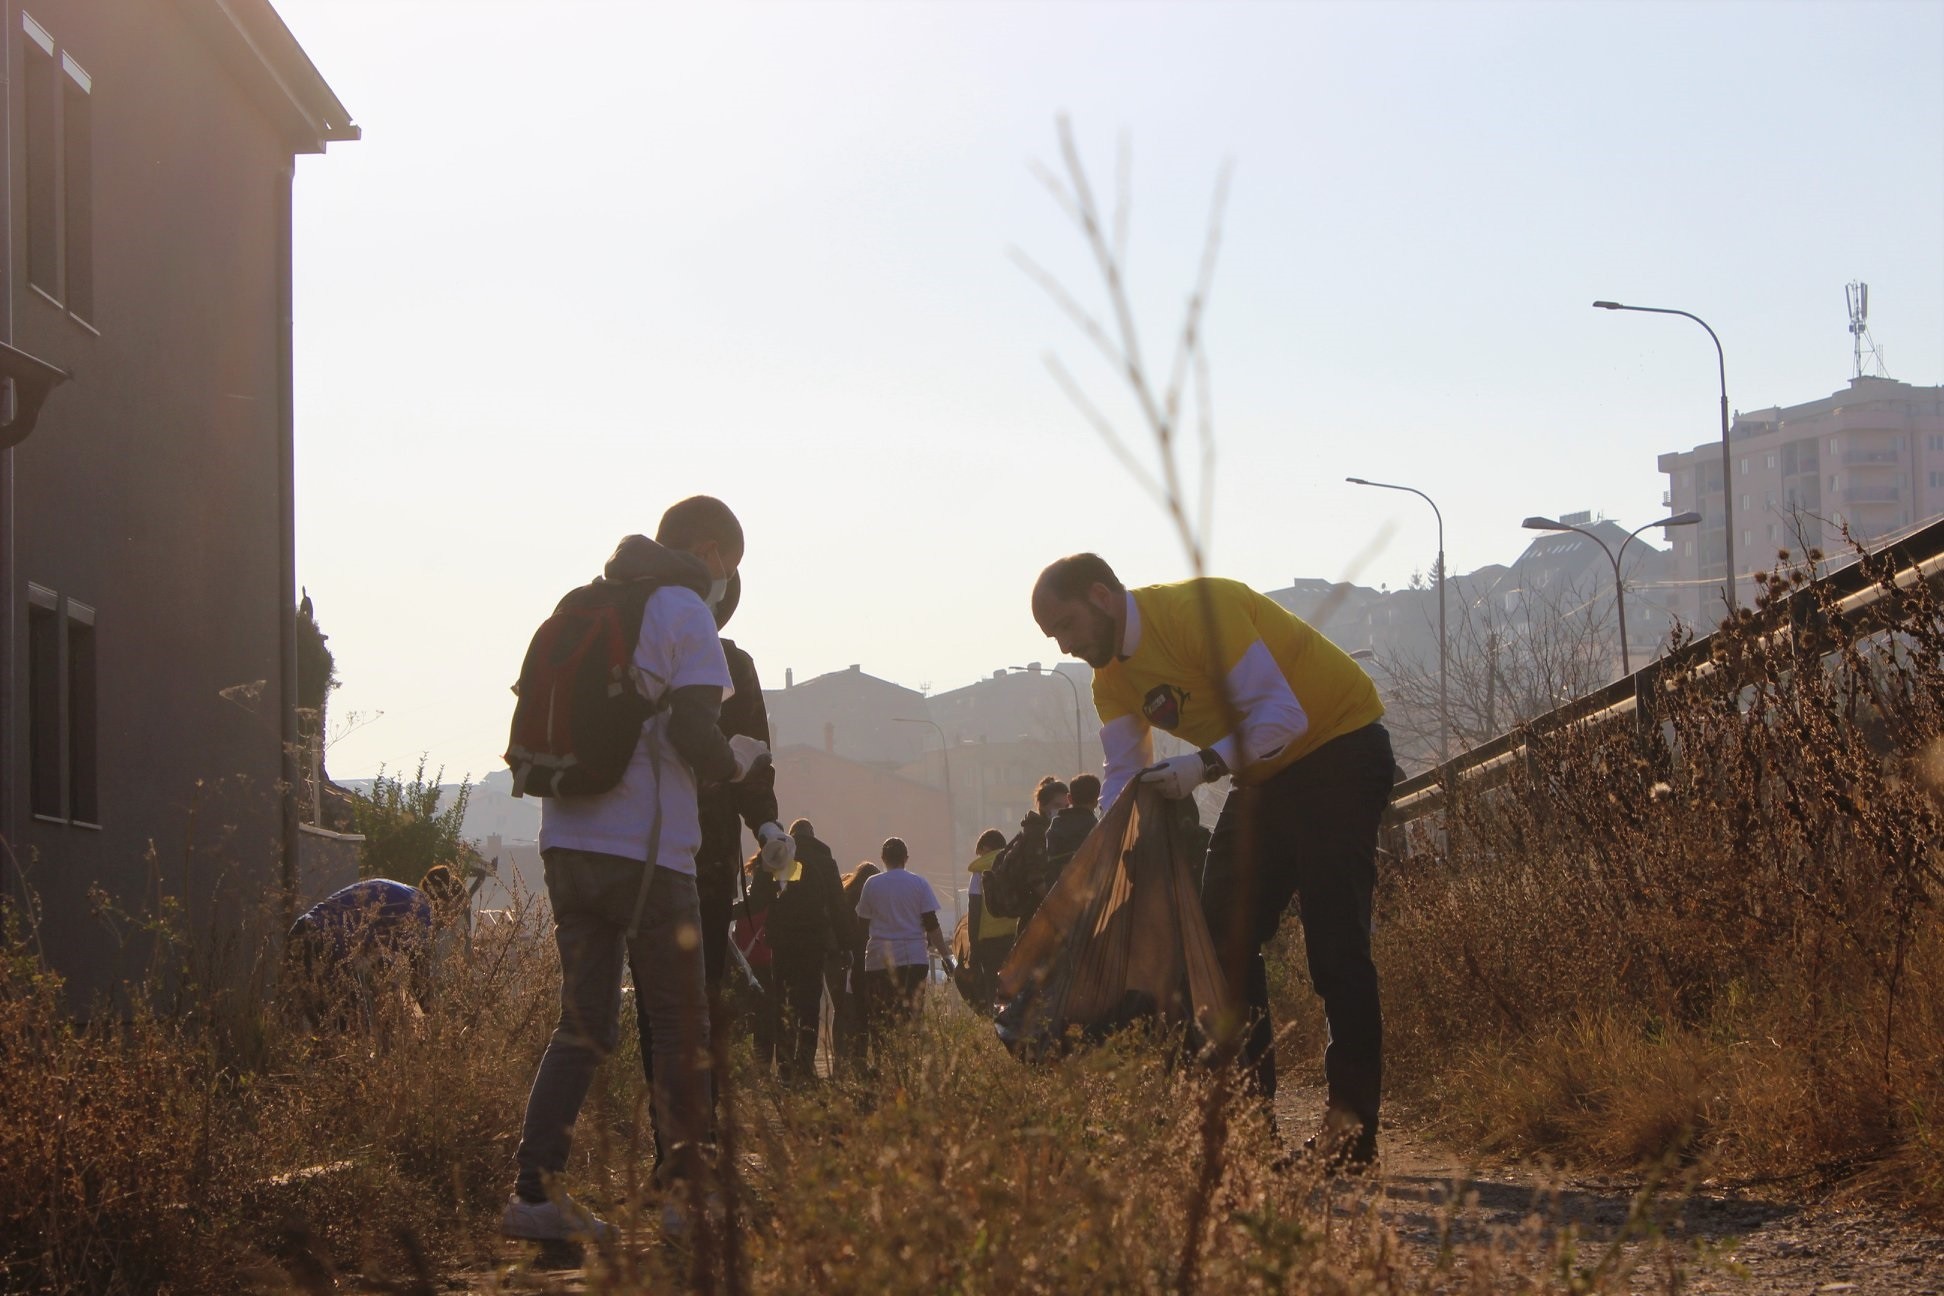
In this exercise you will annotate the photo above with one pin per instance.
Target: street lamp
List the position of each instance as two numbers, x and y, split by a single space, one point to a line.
1614 556
1079 755
1727 482
1444 699
945 755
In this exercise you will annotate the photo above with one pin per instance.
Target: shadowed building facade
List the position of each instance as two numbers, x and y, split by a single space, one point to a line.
147 569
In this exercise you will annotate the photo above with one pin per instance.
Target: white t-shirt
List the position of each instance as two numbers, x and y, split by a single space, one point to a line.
678 648
896 902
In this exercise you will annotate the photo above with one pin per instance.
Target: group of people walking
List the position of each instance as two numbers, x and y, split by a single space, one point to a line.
645 874
864 941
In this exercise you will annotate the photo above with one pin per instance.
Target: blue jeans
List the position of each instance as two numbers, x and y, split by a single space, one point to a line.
594 898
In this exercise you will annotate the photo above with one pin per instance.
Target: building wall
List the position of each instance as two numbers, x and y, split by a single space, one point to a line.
851 714
855 806
150 489
1871 456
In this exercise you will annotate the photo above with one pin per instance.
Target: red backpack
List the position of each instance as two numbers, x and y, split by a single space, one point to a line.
579 713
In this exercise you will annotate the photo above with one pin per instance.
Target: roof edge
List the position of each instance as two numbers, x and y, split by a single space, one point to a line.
256 33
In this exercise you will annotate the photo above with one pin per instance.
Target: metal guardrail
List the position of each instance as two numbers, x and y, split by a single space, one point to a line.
1919 556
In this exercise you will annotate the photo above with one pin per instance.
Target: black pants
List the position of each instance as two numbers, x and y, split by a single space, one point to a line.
988 956
847 1005
1311 833
794 1007
891 997
715 889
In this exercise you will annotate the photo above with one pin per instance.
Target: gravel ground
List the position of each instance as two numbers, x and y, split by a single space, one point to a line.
1742 1240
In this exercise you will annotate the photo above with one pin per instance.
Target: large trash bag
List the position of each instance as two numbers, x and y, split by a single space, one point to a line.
1119 939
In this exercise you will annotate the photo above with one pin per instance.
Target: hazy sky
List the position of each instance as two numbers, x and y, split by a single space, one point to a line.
590 258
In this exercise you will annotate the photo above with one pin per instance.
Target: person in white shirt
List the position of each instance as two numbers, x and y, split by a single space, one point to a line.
620 873
899 913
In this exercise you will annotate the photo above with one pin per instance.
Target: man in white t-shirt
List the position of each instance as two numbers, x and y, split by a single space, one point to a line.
620 871
900 916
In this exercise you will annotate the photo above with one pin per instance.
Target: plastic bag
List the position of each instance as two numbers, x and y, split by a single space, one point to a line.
1119 939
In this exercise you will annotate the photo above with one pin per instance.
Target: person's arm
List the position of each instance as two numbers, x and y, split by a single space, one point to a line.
695 731
1129 744
1268 716
1271 717
679 660
744 713
935 937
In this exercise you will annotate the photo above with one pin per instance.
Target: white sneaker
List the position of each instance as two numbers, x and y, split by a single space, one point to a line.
565 1220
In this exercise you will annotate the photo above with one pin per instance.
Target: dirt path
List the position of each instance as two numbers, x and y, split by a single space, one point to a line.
1731 1240
1756 1240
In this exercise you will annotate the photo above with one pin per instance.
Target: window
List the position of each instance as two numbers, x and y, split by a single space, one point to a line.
43 147
83 803
1687 548
1937 481
77 173
1934 442
44 704
1835 481
1744 503
61 717
1771 461
57 96
1744 465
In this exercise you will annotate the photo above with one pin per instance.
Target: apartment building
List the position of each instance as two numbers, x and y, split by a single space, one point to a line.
1870 457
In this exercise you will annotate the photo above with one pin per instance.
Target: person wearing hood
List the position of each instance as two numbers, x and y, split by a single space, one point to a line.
621 874
723 808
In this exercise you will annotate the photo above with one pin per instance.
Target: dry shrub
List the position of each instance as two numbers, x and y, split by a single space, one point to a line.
1720 939
148 1152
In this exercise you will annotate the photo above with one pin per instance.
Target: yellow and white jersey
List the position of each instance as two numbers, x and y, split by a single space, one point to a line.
1290 690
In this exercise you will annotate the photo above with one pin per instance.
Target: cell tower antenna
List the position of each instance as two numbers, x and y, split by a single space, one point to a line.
1858 296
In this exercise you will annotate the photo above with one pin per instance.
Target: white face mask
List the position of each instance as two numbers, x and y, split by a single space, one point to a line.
718 587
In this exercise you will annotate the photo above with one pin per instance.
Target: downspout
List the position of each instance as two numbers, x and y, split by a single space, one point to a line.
286 541
10 762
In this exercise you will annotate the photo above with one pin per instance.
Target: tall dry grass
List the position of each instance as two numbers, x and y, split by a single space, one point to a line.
146 1155
200 1140
1724 944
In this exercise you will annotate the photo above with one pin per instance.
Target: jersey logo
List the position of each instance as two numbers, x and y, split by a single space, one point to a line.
1162 706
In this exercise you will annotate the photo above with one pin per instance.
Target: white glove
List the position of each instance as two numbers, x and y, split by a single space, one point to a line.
1177 776
750 753
778 849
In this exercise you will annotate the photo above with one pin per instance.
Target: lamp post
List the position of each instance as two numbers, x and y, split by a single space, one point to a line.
1727 483
1079 755
1614 556
1444 697
945 756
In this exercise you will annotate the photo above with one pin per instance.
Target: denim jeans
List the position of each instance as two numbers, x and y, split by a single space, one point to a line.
1308 833
594 898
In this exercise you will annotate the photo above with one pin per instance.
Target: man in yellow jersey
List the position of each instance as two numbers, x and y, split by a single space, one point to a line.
1296 723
